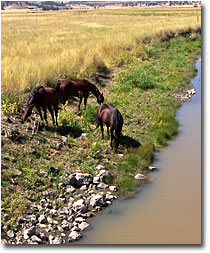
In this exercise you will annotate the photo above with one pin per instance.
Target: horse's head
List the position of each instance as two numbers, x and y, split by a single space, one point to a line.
28 111
100 98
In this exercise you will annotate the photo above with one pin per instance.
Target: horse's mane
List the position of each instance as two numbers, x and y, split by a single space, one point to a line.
38 88
34 95
93 88
57 86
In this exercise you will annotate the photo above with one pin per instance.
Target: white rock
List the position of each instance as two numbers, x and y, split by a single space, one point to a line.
79 219
10 234
102 186
80 205
84 225
57 240
35 238
99 167
152 168
97 200
41 218
74 235
113 188
104 173
83 188
139 176
29 232
83 179
96 180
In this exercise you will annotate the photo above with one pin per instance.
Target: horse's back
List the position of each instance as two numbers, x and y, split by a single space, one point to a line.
47 97
105 106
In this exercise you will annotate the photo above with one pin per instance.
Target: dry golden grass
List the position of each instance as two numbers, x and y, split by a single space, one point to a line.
41 47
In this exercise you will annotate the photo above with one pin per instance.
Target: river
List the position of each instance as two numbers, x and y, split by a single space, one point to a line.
168 209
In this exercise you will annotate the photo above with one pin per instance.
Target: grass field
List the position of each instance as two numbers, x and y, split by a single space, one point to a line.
143 67
40 48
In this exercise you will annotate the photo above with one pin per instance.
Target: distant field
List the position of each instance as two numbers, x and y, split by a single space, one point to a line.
41 47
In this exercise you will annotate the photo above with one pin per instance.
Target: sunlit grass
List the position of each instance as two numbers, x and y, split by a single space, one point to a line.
40 48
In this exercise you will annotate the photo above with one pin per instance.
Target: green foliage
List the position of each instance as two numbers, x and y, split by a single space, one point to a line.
8 106
141 76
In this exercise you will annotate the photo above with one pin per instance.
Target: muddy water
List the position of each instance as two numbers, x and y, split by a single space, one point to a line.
168 210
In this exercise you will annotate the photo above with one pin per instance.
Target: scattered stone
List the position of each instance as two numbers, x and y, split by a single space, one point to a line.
98 155
72 179
104 173
35 238
10 234
83 136
70 189
191 92
43 173
84 188
80 205
97 200
102 186
57 240
83 225
29 232
113 188
74 235
97 180
99 167
152 168
57 144
83 179
139 176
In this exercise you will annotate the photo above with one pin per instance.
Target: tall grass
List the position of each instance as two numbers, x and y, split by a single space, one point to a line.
40 48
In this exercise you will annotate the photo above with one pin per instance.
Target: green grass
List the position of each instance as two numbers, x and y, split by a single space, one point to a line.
143 94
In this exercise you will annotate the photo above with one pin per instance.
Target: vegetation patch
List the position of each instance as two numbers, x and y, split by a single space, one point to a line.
148 74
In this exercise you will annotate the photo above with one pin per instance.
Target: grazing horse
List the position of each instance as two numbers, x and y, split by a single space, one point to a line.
43 98
80 88
112 118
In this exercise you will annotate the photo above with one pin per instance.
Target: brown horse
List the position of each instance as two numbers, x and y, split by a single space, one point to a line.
80 88
43 98
112 118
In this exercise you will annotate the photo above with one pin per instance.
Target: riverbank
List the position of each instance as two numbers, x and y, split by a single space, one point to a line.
156 213
38 166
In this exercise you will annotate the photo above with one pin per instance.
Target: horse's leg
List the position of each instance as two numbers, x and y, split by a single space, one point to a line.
107 129
112 135
56 114
40 112
85 100
45 114
51 112
80 101
102 130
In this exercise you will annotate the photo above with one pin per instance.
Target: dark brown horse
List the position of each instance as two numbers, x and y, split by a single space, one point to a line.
43 98
112 118
80 88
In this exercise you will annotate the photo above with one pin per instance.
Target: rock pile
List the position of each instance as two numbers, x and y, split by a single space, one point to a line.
60 217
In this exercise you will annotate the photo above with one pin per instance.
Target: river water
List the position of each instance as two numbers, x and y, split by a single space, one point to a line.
168 209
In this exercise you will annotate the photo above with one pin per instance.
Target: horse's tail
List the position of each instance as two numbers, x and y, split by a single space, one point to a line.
117 121
57 87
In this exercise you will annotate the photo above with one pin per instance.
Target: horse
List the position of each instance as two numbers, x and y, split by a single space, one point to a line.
79 88
111 117
43 98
